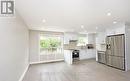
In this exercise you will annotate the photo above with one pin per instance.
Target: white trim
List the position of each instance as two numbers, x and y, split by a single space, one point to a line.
25 71
46 61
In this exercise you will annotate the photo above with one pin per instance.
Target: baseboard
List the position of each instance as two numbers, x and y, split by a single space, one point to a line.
25 71
93 58
46 61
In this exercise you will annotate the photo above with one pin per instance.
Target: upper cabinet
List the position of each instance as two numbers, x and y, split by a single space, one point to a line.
70 36
91 37
100 38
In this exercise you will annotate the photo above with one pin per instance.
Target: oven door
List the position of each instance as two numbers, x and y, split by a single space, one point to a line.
75 54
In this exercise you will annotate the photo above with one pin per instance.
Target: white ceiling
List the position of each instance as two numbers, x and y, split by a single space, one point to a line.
69 15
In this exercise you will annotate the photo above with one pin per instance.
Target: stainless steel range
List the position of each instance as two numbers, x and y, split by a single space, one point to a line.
75 55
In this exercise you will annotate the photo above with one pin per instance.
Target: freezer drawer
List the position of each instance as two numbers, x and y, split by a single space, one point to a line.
117 62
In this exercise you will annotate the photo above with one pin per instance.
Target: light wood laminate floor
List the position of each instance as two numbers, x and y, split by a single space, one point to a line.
87 70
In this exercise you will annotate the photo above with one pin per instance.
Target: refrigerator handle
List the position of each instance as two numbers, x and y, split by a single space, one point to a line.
108 46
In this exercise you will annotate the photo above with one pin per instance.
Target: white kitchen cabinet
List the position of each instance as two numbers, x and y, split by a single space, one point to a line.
70 36
68 56
87 54
91 38
83 54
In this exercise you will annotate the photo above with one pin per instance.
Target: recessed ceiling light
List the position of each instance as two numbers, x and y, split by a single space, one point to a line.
44 20
109 14
114 22
96 28
82 26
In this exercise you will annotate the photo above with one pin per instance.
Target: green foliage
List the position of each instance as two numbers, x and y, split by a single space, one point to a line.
50 43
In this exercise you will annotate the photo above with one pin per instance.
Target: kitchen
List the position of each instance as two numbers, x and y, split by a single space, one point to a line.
109 48
65 40
86 51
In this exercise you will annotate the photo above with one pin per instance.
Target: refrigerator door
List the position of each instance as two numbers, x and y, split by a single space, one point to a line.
115 51
109 60
118 45
109 47
118 62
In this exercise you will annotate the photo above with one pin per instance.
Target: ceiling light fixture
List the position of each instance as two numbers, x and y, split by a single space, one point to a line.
44 20
114 22
109 14
82 26
96 28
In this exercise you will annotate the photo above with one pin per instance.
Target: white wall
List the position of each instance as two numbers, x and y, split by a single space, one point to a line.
13 48
127 47
34 46
116 29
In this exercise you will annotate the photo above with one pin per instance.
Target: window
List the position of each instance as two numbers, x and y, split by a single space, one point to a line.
51 47
82 41
50 44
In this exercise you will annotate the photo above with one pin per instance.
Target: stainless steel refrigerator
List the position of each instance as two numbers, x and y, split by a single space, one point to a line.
115 51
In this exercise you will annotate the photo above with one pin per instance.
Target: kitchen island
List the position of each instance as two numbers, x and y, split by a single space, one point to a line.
83 54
